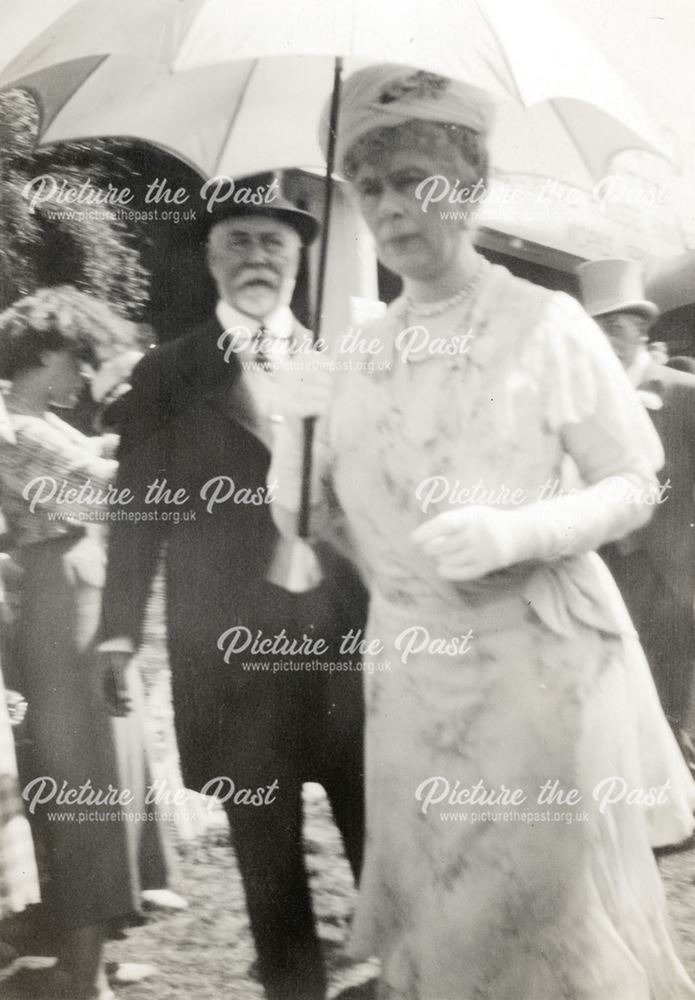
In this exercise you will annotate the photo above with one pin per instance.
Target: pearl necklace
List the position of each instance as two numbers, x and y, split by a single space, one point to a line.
439 308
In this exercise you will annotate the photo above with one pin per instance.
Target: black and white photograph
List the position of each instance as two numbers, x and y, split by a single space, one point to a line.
347 500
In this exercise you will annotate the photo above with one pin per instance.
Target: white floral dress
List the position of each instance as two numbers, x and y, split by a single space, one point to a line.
507 857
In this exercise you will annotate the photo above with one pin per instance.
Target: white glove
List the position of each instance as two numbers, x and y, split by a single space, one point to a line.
85 562
304 389
303 385
16 707
471 541
112 683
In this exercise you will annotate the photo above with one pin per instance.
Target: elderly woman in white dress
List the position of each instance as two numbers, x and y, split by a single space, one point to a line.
508 853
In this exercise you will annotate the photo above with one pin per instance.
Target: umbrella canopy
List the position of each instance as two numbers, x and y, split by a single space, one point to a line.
234 91
671 282
40 33
22 23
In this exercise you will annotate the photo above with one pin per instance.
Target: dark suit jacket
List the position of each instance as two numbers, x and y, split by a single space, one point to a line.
181 423
669 538
178 429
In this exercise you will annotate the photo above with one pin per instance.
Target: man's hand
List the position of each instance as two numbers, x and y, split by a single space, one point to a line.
16 707
303 386
113 677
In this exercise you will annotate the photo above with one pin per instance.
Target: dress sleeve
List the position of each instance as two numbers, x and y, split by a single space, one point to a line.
54 470
135 544
591 403
596 414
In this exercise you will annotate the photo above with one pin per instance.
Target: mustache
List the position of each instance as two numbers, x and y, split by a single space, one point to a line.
267 275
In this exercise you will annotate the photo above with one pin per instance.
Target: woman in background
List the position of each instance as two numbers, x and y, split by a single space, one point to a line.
19 882
85 777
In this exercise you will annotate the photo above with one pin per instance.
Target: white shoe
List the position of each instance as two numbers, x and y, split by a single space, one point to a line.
123 973
163 899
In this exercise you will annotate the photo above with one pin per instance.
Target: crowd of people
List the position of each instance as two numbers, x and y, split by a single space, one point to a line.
495 746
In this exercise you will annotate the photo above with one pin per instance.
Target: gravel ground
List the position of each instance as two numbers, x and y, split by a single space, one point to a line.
205 952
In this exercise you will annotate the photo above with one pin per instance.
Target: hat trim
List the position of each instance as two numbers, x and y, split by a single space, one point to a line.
304 223
650 309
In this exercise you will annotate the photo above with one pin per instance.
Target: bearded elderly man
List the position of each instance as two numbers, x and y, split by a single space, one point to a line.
655 567
253 719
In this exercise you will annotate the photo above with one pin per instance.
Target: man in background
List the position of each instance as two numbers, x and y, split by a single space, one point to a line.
196 439
655 567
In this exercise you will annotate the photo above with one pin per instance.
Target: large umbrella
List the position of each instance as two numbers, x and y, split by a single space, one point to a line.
217 94
235 91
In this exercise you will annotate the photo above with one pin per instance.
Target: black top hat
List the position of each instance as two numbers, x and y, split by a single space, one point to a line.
258 195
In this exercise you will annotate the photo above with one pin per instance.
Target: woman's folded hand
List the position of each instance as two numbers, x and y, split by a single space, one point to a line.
469 542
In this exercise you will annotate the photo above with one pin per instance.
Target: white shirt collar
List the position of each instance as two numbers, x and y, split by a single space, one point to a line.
279 323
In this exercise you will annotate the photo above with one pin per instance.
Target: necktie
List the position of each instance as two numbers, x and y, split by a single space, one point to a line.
270 349
261 344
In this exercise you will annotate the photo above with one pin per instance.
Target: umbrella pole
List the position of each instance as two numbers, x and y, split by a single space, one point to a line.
310 422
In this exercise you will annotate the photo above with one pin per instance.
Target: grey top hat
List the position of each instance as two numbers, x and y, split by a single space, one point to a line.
614 285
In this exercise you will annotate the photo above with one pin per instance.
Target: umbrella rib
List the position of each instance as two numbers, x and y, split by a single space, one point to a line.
582 155
237 112
44 123
310 422
502 51
638 143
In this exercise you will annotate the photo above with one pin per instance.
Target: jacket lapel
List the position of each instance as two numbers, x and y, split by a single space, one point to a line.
221 381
